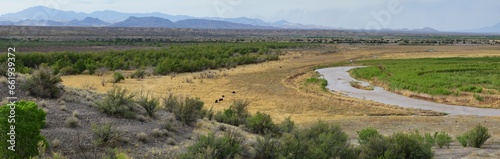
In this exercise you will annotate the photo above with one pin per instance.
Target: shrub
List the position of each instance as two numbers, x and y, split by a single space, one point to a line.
56 143
210 146
228 116
367 133
75 113
287 125
408 145
208 113
157 133
430 139
117 77
261 123
170 102
463 139
322 140
374 147
186 111
103 82
443 139
105 134
478 136
235 115
171 141
117 154
398 145
149 104
139 74
71 122
117 102
43 83
266 147
143 137
27 123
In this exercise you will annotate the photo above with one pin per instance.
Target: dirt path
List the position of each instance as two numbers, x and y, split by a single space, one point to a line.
338 80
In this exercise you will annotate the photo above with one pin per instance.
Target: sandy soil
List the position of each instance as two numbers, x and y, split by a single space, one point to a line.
338 80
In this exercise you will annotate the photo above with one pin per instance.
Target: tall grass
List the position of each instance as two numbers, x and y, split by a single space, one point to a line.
435 76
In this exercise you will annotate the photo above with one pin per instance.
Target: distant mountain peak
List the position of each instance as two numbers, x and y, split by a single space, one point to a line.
426 29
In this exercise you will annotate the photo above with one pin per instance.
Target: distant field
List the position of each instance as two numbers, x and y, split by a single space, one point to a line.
478 78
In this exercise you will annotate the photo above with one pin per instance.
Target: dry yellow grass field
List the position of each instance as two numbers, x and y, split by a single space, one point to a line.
277 88
272 87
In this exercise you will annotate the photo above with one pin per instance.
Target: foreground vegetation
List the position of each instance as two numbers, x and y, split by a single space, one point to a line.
435 76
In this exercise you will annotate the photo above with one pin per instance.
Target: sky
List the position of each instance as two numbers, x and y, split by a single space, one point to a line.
444 15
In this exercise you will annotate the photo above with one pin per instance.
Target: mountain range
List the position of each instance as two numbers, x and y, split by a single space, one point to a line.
44 16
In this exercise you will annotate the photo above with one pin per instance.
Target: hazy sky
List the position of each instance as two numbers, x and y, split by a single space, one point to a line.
444 15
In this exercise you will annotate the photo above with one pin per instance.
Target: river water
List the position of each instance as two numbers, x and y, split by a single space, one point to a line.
338 80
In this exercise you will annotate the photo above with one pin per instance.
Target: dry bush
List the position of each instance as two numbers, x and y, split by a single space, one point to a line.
71 122
142 136
43 83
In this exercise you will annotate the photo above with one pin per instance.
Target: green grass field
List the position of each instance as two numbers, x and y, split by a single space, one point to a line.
435 76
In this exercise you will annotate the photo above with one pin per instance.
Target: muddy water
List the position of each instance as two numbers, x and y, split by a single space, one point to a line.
338 80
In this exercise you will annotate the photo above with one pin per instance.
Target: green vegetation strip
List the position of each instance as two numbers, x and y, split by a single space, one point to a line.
435 76
174 58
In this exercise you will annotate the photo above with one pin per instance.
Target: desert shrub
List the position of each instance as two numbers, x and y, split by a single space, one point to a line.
171 141
117 77
430 139
71 122
170 102
367 133
261 123
117 154
463 139
143 137
105 134
27 123
157 132
228 116
475 137
478 136
149 103
210 146
139 74
398 145
116 102
187 110
322 140
408 145
266 147
43 83
374 147
235 115
443 139
208 113
287 125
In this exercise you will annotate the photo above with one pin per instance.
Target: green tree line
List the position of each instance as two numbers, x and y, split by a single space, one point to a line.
174 58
